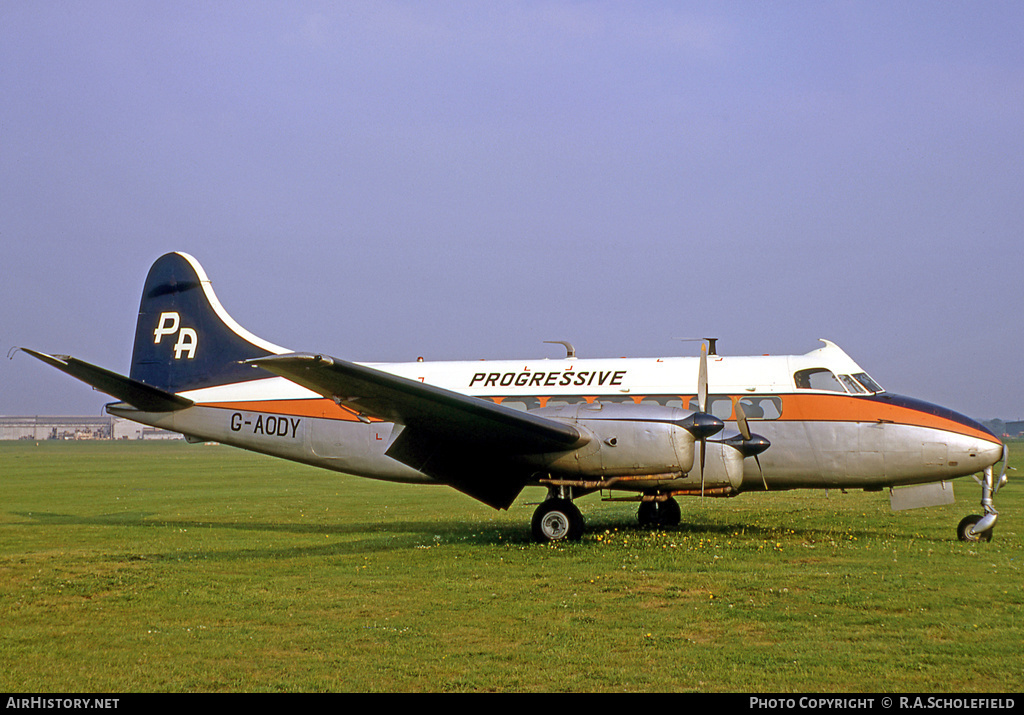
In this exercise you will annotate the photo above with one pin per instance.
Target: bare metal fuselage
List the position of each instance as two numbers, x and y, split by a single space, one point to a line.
819 438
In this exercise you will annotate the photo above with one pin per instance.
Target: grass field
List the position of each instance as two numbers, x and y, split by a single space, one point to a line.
136 567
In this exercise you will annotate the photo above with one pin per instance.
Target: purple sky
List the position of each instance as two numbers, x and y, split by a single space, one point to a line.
463 180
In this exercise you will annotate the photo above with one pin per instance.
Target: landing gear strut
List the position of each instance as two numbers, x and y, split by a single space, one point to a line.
979 528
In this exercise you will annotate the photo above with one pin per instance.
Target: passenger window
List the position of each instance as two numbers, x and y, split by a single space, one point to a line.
817 378
718 405
762 408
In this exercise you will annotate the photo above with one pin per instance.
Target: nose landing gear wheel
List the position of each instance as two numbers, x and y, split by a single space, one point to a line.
557 520
964 530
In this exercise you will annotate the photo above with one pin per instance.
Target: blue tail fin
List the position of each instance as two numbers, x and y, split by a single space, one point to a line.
185 339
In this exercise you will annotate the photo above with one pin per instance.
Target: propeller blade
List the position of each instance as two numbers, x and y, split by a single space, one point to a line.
744 428
1002 477
702 405
703 447
741 421
702 425
748 444
702 380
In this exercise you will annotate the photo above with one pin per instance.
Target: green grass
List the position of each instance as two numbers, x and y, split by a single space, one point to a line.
133 567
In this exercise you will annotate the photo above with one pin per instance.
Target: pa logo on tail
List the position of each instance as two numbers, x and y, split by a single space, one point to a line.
178 306
188 340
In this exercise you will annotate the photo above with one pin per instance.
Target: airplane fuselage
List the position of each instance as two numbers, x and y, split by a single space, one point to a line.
840 435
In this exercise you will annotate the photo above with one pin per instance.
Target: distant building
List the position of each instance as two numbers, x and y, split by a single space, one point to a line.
1005 429
64 427
1014 429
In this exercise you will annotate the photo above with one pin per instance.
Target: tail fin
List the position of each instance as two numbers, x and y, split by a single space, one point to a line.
184 339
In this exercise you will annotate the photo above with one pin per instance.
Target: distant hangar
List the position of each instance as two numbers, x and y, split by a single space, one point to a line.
65 427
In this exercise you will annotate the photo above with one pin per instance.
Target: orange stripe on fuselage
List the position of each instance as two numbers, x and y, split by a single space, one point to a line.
844 408
317 407
795 408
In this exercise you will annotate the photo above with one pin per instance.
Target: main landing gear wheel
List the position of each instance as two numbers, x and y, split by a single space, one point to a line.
659 513
557 520
965 530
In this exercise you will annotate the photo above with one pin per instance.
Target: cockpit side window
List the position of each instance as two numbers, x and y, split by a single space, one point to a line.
817 378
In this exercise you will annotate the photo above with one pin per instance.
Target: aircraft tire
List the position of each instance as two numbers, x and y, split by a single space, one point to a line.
963 530
557 520
669 513
655 513
647 513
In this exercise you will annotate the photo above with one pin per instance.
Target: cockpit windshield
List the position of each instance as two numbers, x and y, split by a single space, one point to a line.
869 384
852 385
820 378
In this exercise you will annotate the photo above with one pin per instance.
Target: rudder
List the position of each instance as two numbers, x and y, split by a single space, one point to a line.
184 339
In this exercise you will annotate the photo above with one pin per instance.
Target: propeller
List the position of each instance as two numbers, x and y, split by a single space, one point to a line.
701 424
750 447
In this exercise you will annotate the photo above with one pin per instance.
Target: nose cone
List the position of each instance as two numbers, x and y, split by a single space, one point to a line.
990 452
953 445
968 455
940 417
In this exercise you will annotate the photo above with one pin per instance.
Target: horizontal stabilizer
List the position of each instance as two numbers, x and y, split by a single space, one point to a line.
137 394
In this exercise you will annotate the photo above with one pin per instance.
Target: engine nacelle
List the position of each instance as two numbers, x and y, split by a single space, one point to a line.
625 440
723 467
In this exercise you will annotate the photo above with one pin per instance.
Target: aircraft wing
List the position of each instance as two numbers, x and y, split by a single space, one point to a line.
468 443
375 393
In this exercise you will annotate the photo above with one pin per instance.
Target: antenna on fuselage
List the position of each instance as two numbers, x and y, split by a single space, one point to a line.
570 351
712 344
